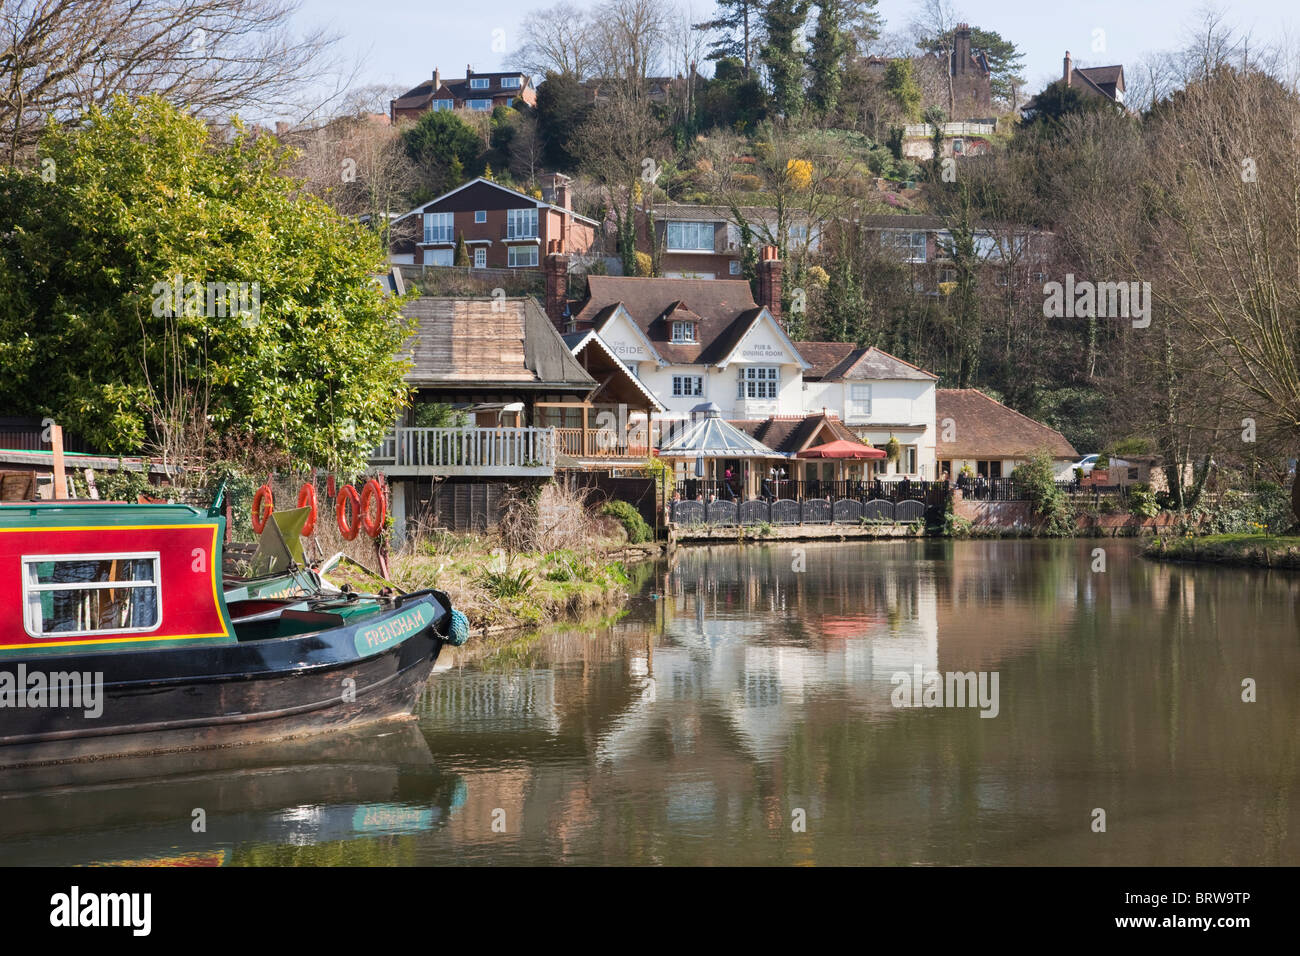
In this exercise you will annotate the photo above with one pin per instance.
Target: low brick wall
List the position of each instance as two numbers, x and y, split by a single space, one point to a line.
1006 515
1018 516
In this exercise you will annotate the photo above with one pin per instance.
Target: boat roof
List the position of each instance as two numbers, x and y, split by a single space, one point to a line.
107 513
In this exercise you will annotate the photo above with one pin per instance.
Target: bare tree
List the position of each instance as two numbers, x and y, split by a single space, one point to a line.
631 40
61 57
560 40
360 166
622 144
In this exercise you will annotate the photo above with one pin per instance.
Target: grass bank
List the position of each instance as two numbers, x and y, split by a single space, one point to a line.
1242 550
497 589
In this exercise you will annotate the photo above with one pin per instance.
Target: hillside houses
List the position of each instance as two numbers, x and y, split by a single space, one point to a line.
475 92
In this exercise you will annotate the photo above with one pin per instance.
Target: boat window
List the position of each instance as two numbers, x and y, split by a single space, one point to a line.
66 595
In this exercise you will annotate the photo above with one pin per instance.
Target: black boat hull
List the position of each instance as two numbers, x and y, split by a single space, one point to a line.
223 695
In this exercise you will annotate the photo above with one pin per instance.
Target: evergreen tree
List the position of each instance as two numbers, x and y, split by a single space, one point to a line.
840 24
783 21
739 22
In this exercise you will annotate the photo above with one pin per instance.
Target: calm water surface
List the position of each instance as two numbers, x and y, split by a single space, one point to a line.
748 688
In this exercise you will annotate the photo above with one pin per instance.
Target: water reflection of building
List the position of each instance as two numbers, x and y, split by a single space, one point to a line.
759 635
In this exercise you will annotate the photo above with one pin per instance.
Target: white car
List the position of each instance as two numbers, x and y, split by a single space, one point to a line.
1086 464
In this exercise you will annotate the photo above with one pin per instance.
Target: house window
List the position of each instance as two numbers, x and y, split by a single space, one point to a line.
690 237
799 235
683 332
69 595
688 386
958 145
437 227
734 267
480 258
479 83
521 223
479 104
510 83
522 257
439 257
480 215
989 469
860 401
909 457
443 104
759 381
910 245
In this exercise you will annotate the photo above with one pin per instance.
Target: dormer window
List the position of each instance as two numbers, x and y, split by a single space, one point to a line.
510 83
684 333
480 83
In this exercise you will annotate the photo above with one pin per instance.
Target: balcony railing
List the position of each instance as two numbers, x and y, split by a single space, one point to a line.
468 451
598 443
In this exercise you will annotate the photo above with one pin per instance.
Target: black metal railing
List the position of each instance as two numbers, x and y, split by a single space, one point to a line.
770 490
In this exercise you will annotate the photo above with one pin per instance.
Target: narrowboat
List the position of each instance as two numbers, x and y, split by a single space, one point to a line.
118 636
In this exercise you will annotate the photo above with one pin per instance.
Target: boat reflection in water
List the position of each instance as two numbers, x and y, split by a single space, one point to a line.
343 798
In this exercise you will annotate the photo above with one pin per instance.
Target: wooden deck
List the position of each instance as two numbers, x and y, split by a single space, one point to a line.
471 452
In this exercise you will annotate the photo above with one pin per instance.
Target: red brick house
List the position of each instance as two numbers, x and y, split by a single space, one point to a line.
478 92
502 228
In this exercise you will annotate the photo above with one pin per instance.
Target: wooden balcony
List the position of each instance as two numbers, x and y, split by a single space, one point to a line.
485 452
595 444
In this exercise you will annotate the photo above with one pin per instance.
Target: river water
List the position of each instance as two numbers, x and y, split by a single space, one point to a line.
766 704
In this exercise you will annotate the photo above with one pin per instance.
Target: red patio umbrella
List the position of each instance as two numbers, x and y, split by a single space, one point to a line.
840 448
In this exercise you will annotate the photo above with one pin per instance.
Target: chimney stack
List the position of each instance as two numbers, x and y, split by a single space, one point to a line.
1069 68
469 71
437 80
961 49
556 270
769 280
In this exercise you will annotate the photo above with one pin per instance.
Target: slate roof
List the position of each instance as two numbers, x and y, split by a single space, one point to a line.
985 428
840 361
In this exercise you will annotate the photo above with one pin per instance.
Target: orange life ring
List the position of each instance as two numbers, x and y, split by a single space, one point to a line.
348 495
307 498
263 496
373 493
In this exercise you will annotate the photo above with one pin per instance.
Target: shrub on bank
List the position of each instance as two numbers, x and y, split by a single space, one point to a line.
635 526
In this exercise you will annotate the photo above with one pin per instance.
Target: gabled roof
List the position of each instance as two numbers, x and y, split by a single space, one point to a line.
863 364
421 95
791 434
985 428
725 310
489 342
577 341
532 200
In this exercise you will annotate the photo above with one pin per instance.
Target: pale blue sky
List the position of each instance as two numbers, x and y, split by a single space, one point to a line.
401 43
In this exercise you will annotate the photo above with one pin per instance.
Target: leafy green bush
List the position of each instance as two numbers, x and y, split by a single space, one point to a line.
1037 480
635 526
1142 502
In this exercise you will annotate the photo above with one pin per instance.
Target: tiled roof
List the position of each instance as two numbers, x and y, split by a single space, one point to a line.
460 89
725 308
790 434
823 356
985 428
